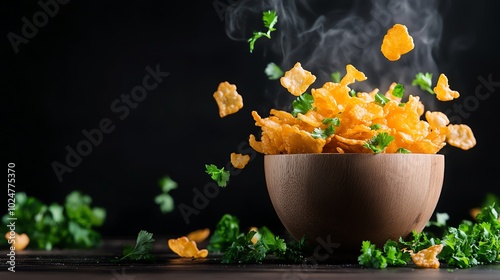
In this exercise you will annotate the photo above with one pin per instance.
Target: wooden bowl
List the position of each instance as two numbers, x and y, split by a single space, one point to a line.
340 200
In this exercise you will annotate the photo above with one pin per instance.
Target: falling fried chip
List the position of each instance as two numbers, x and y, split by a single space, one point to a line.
199 235
397 42
443 91
228 99
239 161
20 241
460 136
186 248
297 80
427 258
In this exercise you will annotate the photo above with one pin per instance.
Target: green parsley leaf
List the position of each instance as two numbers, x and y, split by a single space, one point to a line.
219 175
375 126
335 76
273 71
381 99
403 151
226 231
302 104
142 248
398 90
371 256
270 19
353 93
379 142
164 199
424 81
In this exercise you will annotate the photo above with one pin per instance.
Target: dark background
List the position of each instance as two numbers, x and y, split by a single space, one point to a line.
65 78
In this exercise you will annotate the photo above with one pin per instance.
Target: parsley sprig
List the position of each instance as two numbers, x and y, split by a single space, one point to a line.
164 199
219 175
379 142
424 81
270 19
142 248
302 104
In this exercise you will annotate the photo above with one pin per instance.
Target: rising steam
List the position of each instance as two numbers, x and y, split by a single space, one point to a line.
325 36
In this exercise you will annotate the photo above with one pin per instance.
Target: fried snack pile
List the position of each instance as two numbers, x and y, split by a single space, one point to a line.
343 121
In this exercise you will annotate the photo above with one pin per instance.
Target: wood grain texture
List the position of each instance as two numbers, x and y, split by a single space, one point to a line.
343 199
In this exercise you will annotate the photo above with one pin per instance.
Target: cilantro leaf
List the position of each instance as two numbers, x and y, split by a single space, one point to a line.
302 104
142 248
270 19
328 131
335 76
398 90
226 231
375 126
273 71
379 142
381 99
424 81
403 151
164 199
219 175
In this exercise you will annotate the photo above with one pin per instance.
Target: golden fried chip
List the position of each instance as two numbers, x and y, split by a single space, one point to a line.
228 99
352 75
397 42
427 258
239 161
186 248
199 235
436 119
461 136
443 91
21 240
297 80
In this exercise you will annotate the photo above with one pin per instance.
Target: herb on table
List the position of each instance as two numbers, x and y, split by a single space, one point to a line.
468 245
142 248
219 175
379 142
165 200
302 104
226 231
270 19
68 226
273 71
254 246
424 81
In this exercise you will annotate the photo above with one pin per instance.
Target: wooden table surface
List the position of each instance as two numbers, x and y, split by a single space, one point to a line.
99 264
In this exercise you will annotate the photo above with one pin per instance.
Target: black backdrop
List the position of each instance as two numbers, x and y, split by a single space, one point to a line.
69 72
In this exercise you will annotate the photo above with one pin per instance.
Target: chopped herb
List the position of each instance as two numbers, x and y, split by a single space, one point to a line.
142 248
403 151
381 99
353 93
273 71
424 81
165 200
219 175
226 231
302 104
335 77
375 126
69 226
270 19
379 142
398 90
